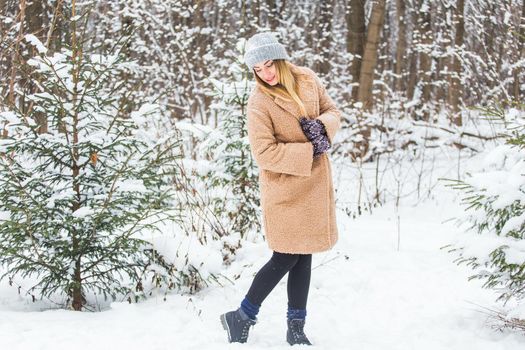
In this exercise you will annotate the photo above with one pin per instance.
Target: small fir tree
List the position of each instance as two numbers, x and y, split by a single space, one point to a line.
495 199
76 199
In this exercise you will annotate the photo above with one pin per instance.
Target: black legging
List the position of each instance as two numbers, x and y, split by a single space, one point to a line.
298 266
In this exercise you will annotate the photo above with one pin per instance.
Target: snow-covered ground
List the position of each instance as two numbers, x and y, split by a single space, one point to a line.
365 294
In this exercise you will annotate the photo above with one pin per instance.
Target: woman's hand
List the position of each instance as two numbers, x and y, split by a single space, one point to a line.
312 127
316 133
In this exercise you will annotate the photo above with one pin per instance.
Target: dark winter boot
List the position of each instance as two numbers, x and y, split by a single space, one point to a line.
237 324
295 334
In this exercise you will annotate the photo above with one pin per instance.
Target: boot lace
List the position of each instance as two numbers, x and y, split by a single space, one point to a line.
245 329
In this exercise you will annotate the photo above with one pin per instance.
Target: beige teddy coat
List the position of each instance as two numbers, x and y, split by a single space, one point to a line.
297 193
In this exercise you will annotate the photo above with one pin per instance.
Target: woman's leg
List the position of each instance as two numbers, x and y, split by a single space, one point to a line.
237 323
266 279
298 286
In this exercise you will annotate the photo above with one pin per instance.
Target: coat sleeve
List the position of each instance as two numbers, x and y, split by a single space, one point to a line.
294 158
329 114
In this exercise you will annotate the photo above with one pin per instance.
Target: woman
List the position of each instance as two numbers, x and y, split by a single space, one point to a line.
291 123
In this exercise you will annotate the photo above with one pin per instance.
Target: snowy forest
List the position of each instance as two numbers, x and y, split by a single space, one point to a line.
129 189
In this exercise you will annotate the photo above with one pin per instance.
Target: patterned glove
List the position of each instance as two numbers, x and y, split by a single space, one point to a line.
312 127
316 133
321 144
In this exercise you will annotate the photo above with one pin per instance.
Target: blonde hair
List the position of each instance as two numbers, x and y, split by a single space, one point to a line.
286 86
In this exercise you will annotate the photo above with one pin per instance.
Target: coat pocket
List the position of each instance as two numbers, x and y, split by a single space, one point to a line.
296 220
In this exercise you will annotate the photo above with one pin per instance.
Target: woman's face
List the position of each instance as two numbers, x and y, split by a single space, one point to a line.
267 72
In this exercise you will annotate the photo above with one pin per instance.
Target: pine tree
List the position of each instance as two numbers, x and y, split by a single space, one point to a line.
495 199
76 200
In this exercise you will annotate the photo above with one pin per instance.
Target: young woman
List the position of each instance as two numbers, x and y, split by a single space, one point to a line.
291 124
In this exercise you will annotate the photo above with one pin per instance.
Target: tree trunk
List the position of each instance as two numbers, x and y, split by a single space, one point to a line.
366 78
355 19
488 36
16 55
370 54
35 25
455 90
413 55
6 62
244 21
385 63
274 14
324 25
203 42
53 39
35 19
425 59
76 292
521 53
256 11
444 33
401 45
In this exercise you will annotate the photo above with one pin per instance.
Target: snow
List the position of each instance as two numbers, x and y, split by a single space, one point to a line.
365 294
131 186
33 40
196 129
140 117
83 212
501 175
177 247
389 283
9 117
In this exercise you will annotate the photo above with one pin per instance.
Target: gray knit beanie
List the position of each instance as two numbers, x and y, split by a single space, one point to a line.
261 47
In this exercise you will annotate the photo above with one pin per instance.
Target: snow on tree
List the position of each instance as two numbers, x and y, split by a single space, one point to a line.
224 171
75 199
494 245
